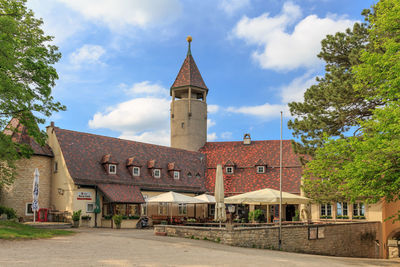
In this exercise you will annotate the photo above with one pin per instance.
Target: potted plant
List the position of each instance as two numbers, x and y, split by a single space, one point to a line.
255 215
117 221
76 216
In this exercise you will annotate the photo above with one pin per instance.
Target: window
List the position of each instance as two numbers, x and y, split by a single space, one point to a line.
28 209
189 175
90 207
341 210
197 175
133 209
176 175
112 169
326 211
55 166
136 171
229 170
144 206
260 169
182 208
157 173
162 208
358 211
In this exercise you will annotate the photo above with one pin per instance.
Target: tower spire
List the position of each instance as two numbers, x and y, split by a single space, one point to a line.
189 40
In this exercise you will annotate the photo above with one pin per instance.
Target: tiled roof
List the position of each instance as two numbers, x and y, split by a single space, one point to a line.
84 152
19 134
246 157
122 193
189 74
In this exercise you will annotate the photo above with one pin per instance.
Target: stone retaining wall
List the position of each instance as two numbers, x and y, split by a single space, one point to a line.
344 239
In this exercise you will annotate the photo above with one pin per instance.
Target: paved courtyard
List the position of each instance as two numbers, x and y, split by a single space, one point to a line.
107 247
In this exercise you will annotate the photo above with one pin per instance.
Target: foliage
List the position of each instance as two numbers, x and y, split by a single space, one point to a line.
333 106
86 218
10 212
255 215
76 215
27 76
367 165
107 217
296 217
117 219
14 230
134 217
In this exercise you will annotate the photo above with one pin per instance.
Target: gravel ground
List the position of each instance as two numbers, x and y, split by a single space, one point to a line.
108 247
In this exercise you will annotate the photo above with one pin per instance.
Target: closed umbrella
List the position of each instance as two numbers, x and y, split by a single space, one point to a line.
35 194
220 214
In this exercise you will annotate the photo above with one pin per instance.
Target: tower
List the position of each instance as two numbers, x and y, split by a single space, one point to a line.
189 106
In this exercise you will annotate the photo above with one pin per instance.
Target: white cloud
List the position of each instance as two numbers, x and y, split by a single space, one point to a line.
212 108
144 119
231 6
147 88
295 90
226 135
211 137
117 14
281 49
87 54
265 111
210 123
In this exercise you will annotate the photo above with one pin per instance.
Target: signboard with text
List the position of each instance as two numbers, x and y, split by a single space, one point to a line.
84 196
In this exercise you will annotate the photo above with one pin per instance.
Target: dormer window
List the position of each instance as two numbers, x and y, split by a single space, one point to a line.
157 173
229 170
260 169
112 169
198 175
136 171
176 175
189 175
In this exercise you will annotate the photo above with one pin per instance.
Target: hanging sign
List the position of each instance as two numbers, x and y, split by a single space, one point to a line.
84 196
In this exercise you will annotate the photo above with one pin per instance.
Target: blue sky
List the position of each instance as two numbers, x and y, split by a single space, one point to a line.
120 58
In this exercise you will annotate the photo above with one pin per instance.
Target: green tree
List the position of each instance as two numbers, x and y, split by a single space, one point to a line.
27 76
368 165
333 106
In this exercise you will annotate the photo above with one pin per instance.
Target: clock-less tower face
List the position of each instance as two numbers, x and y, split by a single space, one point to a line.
189 107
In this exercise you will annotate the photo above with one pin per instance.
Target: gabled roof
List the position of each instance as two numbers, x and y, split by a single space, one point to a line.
246 157
121 193
83 153
189 75
19 134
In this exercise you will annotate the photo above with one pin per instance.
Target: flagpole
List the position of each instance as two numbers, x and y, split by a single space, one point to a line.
280 190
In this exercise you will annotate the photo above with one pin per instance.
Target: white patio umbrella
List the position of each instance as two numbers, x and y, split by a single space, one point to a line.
35 194
266 196
220 213
173 197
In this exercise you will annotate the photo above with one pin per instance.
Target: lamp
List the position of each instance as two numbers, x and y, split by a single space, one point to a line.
231 208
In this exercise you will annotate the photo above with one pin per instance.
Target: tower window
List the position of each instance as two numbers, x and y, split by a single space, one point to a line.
229 170
112 169
136 171
183 125
157 173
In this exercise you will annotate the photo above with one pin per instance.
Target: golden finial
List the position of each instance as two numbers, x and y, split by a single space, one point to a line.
189 38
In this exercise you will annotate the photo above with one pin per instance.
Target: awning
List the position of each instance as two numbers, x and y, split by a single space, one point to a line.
122 193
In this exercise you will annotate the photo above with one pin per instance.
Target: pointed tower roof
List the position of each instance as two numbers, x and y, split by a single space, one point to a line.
189 74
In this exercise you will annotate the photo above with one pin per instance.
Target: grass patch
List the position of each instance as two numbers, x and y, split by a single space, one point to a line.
13 230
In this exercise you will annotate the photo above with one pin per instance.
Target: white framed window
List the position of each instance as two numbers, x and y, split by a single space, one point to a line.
229 170
55 166
162 208
90 207
28 209
157 173
176 175
136 171
341 209
260 169
112 169
326 211
358 210
182 208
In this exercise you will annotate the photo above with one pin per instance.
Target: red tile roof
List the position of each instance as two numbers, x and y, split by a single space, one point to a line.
83 154
246 158
122 193
189 74
19 134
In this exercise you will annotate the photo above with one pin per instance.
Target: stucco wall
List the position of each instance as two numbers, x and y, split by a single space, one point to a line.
18 194
348 240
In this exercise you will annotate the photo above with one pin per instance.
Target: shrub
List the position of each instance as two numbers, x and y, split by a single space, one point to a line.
134 217
117 219
76 215
86 217
255 215
10 212
107 217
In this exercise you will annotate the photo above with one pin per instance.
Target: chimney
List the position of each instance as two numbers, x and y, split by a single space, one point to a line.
246 139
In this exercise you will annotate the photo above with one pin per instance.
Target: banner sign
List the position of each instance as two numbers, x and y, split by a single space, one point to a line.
84 196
